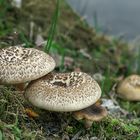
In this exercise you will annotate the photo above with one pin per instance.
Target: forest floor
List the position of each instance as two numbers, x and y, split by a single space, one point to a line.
75 46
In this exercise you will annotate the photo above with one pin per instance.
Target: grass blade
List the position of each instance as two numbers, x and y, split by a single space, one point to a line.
52 28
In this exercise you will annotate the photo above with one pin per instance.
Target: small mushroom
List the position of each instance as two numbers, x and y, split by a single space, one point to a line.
90 114
19 65
129 88
63 92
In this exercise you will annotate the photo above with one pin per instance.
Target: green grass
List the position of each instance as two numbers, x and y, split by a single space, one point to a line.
5 27
27 42
14 129
52 28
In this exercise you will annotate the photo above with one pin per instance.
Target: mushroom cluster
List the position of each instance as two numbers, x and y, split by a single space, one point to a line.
62 92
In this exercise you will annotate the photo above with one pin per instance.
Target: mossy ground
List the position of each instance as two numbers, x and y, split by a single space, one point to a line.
85 49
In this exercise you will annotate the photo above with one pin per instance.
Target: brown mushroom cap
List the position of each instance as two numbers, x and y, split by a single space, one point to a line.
18 64
94 113
90 114
63 92
129 88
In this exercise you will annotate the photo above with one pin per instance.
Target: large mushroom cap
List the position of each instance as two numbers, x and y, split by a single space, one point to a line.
63 92
129 88
18 64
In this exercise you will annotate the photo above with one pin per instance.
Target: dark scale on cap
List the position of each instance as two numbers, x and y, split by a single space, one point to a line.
14 54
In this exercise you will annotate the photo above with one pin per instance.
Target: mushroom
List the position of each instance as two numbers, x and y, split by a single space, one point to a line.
95 112
19 65
129 88
63 92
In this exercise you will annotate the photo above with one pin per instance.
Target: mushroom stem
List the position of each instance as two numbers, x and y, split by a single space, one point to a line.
20 87
88 123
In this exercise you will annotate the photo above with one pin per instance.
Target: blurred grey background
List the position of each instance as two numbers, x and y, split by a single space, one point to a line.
115 17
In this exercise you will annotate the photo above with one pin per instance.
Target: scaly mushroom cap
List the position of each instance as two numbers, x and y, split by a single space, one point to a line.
63 92
129 88
18 64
